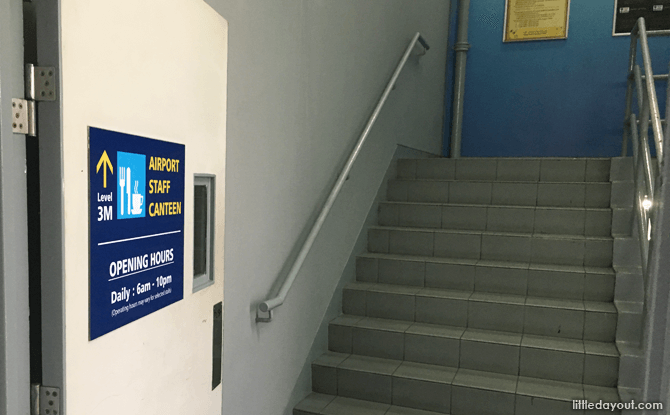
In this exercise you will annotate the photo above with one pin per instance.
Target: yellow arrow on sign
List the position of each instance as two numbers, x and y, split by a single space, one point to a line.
104 163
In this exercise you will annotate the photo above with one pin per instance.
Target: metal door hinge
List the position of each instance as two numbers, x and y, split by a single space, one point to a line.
44 400
40 82
24 120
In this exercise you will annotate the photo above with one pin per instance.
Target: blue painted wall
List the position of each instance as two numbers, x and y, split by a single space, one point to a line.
547 98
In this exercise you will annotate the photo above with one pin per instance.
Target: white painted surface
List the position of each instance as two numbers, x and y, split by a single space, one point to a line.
304 75
155 69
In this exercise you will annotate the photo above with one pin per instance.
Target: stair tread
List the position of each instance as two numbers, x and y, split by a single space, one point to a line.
479 205
474 334
520 385
319 403
496 233
499 181
583 305
491 263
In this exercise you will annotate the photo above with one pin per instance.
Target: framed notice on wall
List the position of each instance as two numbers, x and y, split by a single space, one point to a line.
656 14
536 20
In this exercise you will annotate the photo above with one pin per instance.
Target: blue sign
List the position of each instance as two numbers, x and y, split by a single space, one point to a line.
136 201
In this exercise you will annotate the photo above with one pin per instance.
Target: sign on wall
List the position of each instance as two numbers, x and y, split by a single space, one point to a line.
136 223
536 20
656 14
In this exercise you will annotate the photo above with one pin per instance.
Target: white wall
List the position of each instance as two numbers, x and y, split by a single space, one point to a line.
303 77
154 68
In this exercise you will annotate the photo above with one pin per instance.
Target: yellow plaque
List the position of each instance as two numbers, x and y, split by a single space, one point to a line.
536 20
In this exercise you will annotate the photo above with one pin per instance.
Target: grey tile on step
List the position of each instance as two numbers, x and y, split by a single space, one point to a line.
450 276
324 379
366 269
363 385
518 170
390 306
347 406
552 343
561 194
598 170
510 219
441 311
559 303
515 194
353 302
383 324
428 191
314 403
490 357
411 242
420 216
549 389
563 170
401 410
530 405
436 168
346 320
467 401
470 192
551 364
501 280
370 365
561 251
476 169
498 298
598 253
554 322
601 348
600 326
597 393
556 284
598 223
600 306
406 168
426 372
339 338
464 217
597 195
622 194
506 248
423 395
495 316
601 370
387 214
331 359
436 330
436 350
378 240
396 190
560 221
485 380
490 336
402 272
457 245
378 343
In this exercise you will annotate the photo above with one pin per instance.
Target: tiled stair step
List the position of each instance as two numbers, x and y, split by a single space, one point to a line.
521 169
521 278
497 218
575 319
564 194
319 403
446 390
567 360
594 251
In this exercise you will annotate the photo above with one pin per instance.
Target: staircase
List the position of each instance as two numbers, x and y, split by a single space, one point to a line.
487 288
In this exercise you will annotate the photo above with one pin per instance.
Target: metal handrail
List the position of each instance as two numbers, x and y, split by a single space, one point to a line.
270 304
637 128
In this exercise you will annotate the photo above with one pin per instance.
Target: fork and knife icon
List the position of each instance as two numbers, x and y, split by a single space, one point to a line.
124 182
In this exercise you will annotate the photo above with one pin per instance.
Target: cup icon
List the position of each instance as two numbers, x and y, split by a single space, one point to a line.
137 204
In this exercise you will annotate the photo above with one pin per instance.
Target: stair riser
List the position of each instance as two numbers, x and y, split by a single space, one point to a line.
498 219
479 278
515 318
549 170
431 396
576 195
469 354
539 250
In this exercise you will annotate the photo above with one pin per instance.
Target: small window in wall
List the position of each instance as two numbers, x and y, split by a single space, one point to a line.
203 231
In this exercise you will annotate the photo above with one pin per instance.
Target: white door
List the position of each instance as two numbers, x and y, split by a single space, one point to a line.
142 93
